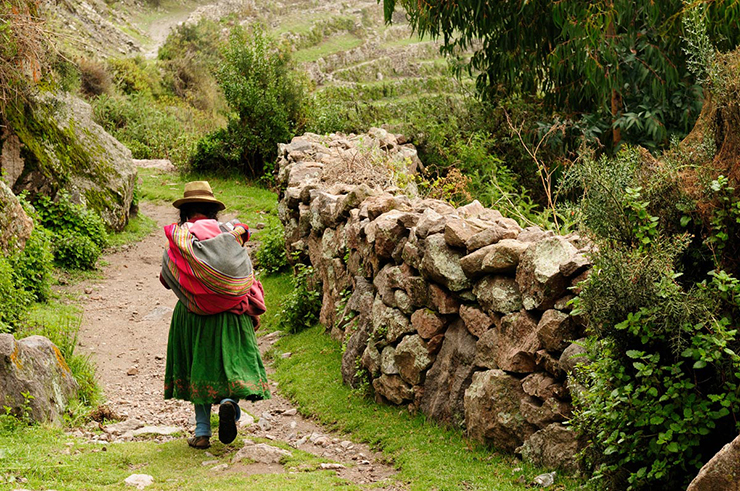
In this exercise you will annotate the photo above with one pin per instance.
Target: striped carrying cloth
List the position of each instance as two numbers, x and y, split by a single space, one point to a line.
208 276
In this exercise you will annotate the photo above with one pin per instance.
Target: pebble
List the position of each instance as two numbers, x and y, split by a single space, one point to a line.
331 466
290 412
139 481
221 467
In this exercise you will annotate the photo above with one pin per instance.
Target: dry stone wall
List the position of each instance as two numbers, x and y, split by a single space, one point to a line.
457 312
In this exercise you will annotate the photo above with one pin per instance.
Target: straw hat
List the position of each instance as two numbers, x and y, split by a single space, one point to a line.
198 192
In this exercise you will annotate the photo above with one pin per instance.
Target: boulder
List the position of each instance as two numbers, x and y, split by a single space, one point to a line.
35 366
442 264
417 289
412 359
457 231
554 446
503 256
15 225
388 322
573 354
442 301
542 413
11 161
386 231
64 150
388 361
542 385
517 343
491 235
427 323
556 330
539 278
472 264
486 350
430 223
476 321
722 472
498 294
393 389
450 375
354 349
371 359
492 410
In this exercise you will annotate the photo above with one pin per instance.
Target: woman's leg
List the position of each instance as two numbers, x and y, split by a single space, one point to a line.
202 420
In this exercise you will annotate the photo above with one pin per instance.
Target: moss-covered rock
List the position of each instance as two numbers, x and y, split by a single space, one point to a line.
15 225
63 149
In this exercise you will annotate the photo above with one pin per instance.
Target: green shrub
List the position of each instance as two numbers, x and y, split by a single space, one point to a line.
266 96
14 300
303 305
33 265
135 76
73 251
79 233
662 391
271 255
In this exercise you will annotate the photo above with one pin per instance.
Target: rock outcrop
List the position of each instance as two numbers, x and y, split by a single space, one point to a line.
461 313
722 472
55 146
34 366
15 225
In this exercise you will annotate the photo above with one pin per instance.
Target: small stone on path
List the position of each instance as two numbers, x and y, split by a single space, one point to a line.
157 430
260 452
330 466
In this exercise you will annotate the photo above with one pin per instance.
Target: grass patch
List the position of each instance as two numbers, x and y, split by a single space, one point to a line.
138 227
252 203
334 44
428 456
277 287
50 459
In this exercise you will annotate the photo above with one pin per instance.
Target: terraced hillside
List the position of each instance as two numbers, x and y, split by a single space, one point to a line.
358 62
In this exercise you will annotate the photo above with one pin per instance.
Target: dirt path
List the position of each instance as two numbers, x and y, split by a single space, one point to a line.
124 328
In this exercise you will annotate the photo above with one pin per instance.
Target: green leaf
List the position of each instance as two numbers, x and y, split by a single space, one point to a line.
699 364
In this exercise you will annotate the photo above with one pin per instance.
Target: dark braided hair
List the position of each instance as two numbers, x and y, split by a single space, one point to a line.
188 210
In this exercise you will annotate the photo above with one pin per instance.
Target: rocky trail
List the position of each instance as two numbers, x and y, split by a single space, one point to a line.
124 329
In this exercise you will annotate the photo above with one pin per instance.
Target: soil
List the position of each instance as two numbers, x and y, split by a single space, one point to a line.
124 329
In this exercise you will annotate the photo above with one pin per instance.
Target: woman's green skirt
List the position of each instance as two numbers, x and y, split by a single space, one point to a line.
213 357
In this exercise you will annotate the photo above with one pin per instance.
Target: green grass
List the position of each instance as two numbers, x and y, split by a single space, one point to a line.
252 203
49 459
277 287
138 227
331 45
428 456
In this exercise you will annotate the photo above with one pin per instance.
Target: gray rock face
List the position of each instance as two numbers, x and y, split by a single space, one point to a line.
492 410
393 389
15 225
498 294
34 365
450 375
517 343
388 322
556 330
554 446
722 472
442 264
412 359
355 347
539 278
77 156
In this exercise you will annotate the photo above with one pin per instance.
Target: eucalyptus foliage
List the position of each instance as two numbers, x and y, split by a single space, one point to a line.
621 60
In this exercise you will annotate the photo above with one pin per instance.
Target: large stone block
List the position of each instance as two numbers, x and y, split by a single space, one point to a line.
412 359
389 323
517 343
492 410
427 323
556 330
442 264
722 472
504 256
15 225
393 389
539 278
554 446
476 321
355 348
35 366
450 375
498 294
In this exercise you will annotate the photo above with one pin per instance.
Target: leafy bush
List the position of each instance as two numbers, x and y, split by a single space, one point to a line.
79 233
13 298
135 76
266 96
302 308
33 265
661 392
271 255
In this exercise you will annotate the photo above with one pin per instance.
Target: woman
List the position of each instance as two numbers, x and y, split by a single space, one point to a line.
212 354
